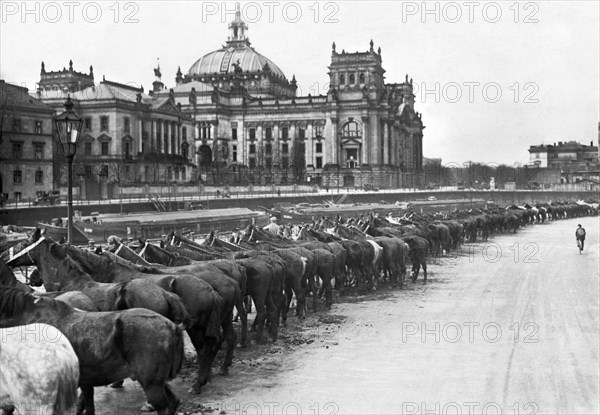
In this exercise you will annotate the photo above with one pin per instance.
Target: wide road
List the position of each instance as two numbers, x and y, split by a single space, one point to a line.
510 327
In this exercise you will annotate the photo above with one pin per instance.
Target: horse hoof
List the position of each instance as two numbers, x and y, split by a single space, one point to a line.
147 408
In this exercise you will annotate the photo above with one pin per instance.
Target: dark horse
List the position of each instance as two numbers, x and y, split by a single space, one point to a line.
60 272
110 346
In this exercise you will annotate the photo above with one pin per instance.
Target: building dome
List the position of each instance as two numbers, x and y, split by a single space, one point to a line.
226 59
236 55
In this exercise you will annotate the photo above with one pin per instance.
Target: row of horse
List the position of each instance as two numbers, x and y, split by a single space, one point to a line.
124 311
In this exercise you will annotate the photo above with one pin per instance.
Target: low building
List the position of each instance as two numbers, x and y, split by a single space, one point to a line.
128 137
574 160
26 145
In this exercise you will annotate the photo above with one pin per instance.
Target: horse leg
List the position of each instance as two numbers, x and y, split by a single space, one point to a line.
261 314
86 400
158 397
424 265
229 334
201 345
328 291
300 299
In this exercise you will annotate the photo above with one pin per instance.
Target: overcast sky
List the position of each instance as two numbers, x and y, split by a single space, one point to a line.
497 76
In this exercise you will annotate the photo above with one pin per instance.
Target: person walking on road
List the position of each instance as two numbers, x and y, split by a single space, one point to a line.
580 235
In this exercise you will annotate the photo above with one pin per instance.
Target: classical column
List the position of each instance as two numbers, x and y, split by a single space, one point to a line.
386 144
334 141
152 136
366 142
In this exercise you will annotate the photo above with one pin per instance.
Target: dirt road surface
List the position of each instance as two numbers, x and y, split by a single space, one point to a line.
508 327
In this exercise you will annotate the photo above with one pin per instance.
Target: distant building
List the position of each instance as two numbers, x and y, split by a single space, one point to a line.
574 160
128 137
251 127
26 148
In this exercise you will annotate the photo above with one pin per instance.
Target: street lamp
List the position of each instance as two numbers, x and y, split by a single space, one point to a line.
68 127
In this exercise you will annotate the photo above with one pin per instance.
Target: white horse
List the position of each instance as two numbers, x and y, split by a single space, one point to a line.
39 371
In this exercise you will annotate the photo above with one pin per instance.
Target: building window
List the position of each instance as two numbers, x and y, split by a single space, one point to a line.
318 147
351 129
234 153
252 134
318 131
17 150
88 172
342 79
268 162
18 196
38 127
285 133
146 173
17 177
170 173
87 149
16 125
126 126
319 162
176 173
301 133
87 123
183 173
127 149
39 177
361 78
352 79
105 148
104 170
284 148
38 151
268 133
252 149
184 149
104 123
184 133
234 133
268 149
284 162
252 162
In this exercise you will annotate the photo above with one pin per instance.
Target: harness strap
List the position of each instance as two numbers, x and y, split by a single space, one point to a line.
119 249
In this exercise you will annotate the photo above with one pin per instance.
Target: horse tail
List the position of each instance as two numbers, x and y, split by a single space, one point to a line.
213 328
66 391
121 301
177 311
177 352
243 280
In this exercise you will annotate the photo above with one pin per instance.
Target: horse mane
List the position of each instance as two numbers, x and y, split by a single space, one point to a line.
14 301
7 277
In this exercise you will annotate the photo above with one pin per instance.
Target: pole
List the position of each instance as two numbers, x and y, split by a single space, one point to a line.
70 200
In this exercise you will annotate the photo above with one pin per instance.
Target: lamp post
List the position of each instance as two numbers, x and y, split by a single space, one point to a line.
68 127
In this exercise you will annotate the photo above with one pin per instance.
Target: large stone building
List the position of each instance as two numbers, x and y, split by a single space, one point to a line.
25 145
251 127
128 137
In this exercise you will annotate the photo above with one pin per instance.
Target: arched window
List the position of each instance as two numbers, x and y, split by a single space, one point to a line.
342 79
352 79
361 78
351 129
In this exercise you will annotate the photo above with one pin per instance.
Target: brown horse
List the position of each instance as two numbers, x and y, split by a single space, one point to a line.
110 346
75 299
60 273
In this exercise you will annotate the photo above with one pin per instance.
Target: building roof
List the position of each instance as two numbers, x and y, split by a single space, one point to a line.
17 96
236 55
105 90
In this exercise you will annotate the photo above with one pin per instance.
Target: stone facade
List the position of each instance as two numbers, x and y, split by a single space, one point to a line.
25 145
128 136
251 127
